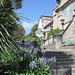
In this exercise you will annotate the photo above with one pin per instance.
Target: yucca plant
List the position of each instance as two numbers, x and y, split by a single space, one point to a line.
9 22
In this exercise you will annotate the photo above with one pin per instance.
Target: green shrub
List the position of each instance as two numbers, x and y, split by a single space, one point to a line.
54 32
32 38
69 43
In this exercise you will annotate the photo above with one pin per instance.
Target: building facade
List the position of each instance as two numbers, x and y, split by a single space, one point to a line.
63 10
44 26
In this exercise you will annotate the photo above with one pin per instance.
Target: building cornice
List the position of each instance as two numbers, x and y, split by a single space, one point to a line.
46 16
48 24
64 5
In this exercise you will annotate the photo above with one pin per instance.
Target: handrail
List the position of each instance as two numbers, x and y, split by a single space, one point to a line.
68 25
69 72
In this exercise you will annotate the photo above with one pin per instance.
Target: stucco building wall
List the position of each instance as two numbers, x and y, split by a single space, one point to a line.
69 33
58 13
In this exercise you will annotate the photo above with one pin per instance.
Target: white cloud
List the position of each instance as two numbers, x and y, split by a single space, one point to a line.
27 26
36 22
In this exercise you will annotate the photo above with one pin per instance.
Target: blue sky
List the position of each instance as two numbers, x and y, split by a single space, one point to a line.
32 9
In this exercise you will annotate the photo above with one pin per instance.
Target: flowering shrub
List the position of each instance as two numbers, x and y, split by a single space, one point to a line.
26 63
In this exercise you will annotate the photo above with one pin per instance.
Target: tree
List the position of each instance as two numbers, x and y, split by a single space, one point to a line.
11 3
34 29
19 33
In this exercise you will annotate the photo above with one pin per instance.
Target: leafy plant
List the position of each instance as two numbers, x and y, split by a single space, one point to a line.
32 38
54 32
26 63
34 29
8 23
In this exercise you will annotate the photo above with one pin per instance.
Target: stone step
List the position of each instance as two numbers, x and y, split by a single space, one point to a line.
63 66
65 63
73 66
73 73
58 68
55 54
67 47
73 70
58 52
59 57
59 71
65 59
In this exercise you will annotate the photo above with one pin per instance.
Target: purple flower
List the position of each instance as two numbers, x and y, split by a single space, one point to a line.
42 60
53 59
42 51
31 55
19 51
20 47
49 60
24 54
27 54
19 56
29 47
33 64
36 49
34 52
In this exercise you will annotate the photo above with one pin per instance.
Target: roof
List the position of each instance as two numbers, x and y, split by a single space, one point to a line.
63 6
46 16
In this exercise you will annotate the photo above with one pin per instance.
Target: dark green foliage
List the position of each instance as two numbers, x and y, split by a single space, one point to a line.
54 32
18 65
32 38
69 43
8 23
19 33
34 29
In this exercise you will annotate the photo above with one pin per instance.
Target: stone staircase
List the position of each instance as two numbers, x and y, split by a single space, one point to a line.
65 60
51 46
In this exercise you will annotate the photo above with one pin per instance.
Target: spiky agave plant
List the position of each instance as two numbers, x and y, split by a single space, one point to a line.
8 23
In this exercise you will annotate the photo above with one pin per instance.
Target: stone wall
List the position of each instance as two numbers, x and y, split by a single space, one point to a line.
69 33
48 42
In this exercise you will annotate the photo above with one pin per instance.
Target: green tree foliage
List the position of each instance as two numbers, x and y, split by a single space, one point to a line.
54 32
32 38
34 29
19 33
